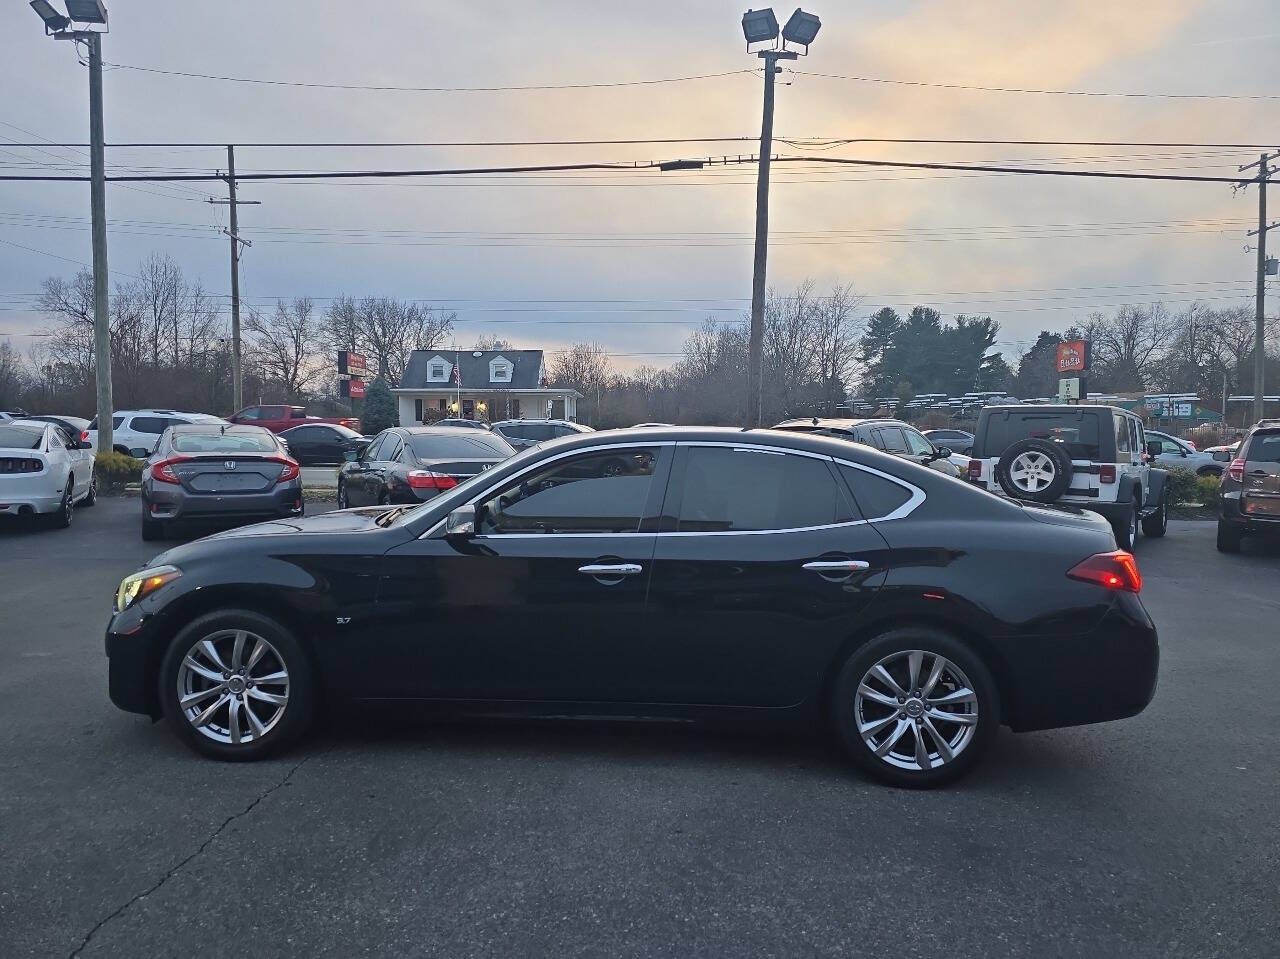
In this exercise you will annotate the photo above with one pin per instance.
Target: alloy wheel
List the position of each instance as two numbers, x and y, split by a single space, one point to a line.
1032 471
233 686
916 710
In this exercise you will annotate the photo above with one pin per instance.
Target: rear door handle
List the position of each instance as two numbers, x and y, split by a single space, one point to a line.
611 569
837 566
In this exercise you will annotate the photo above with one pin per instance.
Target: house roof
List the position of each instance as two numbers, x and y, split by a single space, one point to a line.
526 369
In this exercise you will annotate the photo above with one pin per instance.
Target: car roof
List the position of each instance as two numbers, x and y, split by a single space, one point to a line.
840 423
727 435
1057 407
196 417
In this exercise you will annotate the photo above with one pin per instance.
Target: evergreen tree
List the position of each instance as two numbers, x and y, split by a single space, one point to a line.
380 410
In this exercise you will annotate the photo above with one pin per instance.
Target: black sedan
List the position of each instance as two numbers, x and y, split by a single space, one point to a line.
322 443
415 463
754 575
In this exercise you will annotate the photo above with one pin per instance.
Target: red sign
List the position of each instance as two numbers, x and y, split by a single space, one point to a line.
1073 356
353 389
353 363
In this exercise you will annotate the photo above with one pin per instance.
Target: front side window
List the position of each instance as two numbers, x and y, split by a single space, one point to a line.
604 492
1169 446
920 446
729 489
890 439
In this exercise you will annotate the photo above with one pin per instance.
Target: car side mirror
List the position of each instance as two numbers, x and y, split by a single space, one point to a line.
945 452
83 445
140 453
461 523
350 456
1154 448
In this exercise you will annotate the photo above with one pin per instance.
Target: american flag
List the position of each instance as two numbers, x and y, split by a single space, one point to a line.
457 373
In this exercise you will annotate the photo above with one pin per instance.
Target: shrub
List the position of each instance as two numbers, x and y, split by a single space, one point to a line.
114 470
1182 487
380 411
1209 490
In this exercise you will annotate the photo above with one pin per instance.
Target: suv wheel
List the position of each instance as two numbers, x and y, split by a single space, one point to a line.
237 685
1229 538
1126 529
1157 523
915 707
1034 469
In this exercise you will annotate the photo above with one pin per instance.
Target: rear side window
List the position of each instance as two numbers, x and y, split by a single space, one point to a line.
1077 430
21 437
1264 448
151 424
876 496
1122 434
727 489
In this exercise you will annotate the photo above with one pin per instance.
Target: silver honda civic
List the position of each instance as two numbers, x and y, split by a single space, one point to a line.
218 472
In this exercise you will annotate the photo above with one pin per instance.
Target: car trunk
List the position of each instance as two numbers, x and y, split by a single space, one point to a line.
225 475
459 469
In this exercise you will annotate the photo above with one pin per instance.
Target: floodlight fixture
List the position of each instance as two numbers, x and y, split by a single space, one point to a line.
87 11
53 20
801 28
759 26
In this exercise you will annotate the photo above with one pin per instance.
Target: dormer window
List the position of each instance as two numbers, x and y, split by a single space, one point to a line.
439 370
499 370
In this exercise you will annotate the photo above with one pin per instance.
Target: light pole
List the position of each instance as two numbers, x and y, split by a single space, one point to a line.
761 26
92 12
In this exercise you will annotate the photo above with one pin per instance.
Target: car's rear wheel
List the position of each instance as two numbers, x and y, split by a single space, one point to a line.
1126 528
1229 538
915 707
66 511
1157 524
237 685
342 496
91 497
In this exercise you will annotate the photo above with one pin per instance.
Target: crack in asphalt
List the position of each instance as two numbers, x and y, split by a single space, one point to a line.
170 873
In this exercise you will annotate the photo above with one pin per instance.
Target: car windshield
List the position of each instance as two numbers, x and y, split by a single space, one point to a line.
218 442
16 436
1077 430
433 446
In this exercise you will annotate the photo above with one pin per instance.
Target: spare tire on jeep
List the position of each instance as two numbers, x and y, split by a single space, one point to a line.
1038 470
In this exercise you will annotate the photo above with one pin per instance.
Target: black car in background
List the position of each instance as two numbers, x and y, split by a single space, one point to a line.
322 443
525 433
662 574
1250 501
958 441
410 464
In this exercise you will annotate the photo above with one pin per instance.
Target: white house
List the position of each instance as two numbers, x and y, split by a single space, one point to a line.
488 385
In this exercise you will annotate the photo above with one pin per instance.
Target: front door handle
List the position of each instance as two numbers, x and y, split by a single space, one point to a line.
611 569
837 566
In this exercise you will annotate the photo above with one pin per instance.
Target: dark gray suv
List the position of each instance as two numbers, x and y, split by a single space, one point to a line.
208 472
1251 488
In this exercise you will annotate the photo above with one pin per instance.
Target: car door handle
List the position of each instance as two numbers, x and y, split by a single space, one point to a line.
837 566
611 569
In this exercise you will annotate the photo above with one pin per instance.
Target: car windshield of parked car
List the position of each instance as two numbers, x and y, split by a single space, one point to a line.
15 436
1076 430
603 492
432 446
345 432
728 489
1264 448
217 442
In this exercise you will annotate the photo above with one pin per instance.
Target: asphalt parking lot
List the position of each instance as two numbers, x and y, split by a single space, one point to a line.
1157 836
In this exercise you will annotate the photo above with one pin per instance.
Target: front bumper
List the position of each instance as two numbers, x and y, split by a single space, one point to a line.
132 662
1107 673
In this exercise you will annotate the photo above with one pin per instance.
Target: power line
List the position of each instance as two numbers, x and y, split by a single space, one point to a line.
1033 171
403 89
1061 93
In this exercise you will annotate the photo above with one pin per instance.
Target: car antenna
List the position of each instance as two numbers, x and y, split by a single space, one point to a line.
815 421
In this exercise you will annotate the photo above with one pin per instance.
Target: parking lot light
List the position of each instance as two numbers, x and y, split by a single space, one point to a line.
801 28
87 11
53 20
759 26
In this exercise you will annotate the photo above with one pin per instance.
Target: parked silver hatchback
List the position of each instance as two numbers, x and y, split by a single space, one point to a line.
211 472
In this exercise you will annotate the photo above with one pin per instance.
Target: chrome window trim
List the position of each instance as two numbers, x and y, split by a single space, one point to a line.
906 509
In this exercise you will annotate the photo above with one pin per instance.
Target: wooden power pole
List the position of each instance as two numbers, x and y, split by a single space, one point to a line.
1260 298
237 368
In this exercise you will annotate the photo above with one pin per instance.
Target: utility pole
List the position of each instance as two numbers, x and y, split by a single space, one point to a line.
98 202
237 369
1260 297
755 350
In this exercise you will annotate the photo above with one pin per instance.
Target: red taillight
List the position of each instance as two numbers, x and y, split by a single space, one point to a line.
289 469
975 469
84 436
1114 570
425 479
163 471
1236 470
1107 473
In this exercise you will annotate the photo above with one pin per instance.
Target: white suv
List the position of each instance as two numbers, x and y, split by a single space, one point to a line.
1091 457
136 432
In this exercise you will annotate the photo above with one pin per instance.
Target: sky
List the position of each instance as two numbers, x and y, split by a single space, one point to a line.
636 260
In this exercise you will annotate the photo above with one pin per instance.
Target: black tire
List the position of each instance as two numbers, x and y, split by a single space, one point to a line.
91 498
66 511
152 529
1059 466
342 496
933 643
298 712
1126 528
1157 524
1229 538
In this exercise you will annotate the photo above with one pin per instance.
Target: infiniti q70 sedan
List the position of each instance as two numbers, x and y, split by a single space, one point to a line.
663 573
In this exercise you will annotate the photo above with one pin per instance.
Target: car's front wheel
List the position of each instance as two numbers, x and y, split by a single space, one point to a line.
342 496
915 707
237 685
1157 524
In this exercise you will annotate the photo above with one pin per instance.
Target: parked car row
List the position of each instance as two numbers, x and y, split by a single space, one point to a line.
46 471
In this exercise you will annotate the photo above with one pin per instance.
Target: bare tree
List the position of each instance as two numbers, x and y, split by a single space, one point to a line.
491 341
836 337
585 368
1128 345
282 345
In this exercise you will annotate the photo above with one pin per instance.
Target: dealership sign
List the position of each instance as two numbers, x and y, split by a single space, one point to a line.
1073 356
352 364
353 389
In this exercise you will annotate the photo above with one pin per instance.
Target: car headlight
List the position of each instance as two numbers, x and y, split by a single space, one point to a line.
143 583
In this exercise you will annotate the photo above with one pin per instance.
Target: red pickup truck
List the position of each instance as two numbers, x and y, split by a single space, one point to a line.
281 418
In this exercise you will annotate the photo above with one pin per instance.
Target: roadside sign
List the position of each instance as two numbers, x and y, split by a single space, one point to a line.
352 363
1073 356
1069 388
353 388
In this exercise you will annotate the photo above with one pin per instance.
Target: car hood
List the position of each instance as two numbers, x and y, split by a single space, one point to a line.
337 521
